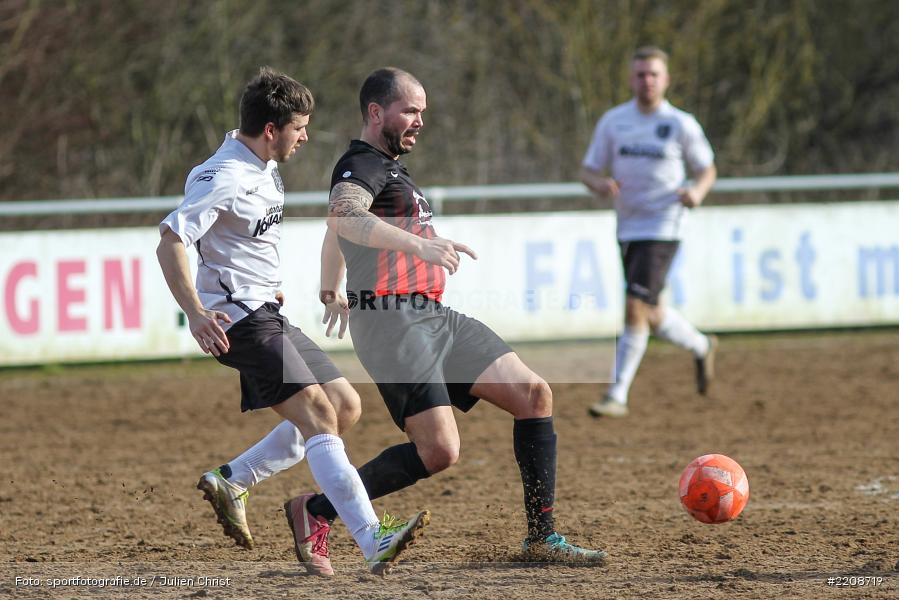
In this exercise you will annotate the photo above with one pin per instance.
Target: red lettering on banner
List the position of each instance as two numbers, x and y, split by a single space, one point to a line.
67 296
28 324
116 293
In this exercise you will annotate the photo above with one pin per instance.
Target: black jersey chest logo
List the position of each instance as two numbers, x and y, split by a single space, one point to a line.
423 208
663 130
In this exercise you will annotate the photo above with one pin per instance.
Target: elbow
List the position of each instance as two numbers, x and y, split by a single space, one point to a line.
333 222
588 178
166 245
582 175
160 250
711 177
163 255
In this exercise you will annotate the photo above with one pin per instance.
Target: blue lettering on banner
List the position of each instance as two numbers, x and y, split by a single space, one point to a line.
882 261
805 257
586 279
772 270
738 291
768 262
535 276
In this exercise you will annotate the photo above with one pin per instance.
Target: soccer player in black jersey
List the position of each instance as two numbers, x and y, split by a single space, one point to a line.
424 356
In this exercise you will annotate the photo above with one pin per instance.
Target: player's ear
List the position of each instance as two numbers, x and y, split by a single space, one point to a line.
375 113
269 131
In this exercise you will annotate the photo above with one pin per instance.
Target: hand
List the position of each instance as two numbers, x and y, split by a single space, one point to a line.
205 328
689 197
608 188
279 296
444 253
336 308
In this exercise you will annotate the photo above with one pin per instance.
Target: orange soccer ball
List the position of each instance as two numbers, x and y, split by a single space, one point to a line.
714 488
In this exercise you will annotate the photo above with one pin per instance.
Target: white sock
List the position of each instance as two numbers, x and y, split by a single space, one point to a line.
342 485
281 449
628 353
677 330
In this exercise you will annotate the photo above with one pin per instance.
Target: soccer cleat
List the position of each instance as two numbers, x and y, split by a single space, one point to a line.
608 407
394 536
230 505
555 548
310 536
705 366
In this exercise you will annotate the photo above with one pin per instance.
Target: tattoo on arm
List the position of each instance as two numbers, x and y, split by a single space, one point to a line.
347 196
351 200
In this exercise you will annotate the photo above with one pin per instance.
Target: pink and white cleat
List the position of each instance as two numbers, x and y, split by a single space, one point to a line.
310 536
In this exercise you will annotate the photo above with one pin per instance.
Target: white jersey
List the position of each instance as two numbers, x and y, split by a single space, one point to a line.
232 210
646 155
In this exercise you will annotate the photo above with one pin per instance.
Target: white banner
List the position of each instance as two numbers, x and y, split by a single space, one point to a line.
91 295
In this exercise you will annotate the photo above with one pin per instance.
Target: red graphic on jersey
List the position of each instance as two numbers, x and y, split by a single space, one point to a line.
402 272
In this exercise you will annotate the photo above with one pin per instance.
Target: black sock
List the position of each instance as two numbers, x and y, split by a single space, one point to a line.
393 469
535 450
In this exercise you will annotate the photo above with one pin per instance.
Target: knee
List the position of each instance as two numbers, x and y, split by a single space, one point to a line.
348 406
636 313
349 416
439 457
317 405
540 400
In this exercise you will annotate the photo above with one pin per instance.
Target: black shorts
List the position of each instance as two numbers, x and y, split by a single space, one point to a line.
422 354
272 368
646 264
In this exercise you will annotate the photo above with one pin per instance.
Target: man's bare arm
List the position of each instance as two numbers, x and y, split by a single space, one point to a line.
693 196
598 183
705 180
333 267
173 260
204 324
349 217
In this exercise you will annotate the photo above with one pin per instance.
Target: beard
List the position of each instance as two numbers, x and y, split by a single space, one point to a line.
394 141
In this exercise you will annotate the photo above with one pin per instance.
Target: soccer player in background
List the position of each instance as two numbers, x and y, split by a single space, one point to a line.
232 211
637 158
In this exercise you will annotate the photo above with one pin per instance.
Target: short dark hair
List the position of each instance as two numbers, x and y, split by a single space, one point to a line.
382 87
272 97
647 52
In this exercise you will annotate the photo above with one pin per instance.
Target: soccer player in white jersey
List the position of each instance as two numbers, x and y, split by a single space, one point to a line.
637 158
232 209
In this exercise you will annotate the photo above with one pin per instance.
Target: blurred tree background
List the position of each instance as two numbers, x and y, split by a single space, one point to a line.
121 97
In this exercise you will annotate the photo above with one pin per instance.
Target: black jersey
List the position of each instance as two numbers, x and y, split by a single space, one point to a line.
399 202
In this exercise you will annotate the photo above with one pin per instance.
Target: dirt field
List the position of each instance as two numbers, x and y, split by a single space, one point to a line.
99 466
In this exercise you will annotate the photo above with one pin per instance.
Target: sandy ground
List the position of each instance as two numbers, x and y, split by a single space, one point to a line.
100 464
